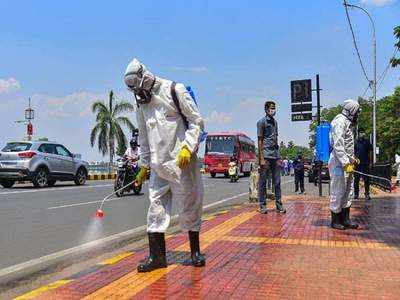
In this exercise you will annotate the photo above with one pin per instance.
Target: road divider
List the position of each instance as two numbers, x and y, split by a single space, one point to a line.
101 176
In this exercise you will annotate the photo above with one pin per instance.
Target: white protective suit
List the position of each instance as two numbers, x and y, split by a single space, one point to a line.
342 142
162 133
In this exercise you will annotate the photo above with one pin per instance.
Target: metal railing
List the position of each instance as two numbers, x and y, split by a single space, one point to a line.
382 169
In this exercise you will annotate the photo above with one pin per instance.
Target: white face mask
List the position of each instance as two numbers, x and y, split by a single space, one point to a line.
272 112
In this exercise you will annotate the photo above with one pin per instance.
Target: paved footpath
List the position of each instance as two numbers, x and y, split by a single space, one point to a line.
253 256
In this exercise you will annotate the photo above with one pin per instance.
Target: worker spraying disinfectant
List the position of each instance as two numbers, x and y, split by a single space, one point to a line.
342 162
170 128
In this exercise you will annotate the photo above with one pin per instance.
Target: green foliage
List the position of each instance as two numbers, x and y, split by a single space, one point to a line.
388 123
121 148
291 151
396 61
109 123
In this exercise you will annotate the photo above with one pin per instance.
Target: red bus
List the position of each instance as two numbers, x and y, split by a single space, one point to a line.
221 146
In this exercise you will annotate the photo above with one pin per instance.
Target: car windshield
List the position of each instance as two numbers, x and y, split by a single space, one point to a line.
220 145
16 147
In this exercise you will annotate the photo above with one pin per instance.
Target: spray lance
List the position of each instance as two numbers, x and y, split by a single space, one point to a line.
100 212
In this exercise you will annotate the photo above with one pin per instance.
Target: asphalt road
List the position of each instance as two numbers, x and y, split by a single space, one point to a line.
36 222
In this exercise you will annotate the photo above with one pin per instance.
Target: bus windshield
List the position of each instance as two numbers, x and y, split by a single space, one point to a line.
220 145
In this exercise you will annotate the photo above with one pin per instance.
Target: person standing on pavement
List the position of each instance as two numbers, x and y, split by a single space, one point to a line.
298 166
341 165
397 161
267 133
170 126
363 151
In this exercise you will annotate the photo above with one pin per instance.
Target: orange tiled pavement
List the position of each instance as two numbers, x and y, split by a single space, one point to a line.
253 256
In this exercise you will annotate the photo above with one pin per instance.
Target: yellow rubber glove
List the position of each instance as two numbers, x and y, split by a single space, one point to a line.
142 175
348 168
184 157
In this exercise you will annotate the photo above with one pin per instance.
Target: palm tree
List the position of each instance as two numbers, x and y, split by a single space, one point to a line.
109 123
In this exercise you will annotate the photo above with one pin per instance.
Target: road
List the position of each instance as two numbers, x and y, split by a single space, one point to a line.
36 222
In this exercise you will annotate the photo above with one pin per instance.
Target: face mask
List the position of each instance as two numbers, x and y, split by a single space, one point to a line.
272 112
362 135
141 85
143 92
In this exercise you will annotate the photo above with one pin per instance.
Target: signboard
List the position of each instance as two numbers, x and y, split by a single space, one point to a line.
302 117
307 107
301 90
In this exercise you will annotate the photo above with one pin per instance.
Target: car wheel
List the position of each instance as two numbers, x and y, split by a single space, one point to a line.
51 182
81 176
212 174
7 183
41 178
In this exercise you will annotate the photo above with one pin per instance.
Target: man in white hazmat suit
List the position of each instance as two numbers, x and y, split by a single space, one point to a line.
168 136
341 165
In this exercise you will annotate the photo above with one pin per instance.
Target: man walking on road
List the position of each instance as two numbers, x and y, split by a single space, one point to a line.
298 166
363 151
268 150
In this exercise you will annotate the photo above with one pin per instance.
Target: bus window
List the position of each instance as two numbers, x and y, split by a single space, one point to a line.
220 144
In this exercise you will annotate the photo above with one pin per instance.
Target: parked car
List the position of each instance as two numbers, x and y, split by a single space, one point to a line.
42 163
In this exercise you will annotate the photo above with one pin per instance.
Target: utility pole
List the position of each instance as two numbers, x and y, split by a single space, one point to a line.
318 90
372 82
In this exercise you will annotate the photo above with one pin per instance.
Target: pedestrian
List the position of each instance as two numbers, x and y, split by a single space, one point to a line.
341 165
267 132
285 163
363 151
298 166
169 130
397 160
290 167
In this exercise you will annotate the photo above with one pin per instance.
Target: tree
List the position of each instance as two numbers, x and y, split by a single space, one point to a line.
291 151
396 61
109 123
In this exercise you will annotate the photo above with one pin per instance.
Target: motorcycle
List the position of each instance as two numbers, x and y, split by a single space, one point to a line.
233 172
126 173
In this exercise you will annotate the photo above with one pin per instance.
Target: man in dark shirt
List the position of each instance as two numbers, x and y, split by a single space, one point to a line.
268 150
363 151
298 166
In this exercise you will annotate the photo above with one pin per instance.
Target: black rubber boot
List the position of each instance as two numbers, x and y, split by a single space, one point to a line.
336 221
157 258
346 219
198 259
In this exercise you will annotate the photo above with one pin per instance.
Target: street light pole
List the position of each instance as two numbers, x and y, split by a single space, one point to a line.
373 82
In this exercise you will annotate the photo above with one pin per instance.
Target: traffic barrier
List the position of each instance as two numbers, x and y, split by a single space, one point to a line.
101 176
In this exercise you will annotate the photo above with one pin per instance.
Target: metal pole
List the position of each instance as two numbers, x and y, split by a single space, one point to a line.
318 101
374 92
319 123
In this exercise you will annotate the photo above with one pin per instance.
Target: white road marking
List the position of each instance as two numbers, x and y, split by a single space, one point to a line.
124 198
55 189
87 203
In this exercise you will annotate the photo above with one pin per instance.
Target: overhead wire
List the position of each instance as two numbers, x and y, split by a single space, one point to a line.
385 72
355 42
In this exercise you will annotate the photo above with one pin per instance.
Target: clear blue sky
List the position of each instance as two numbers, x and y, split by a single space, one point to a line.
65 54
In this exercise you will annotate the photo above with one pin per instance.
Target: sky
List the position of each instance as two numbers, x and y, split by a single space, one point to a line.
234 54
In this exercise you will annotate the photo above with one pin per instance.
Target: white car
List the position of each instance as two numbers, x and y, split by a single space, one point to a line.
42 163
